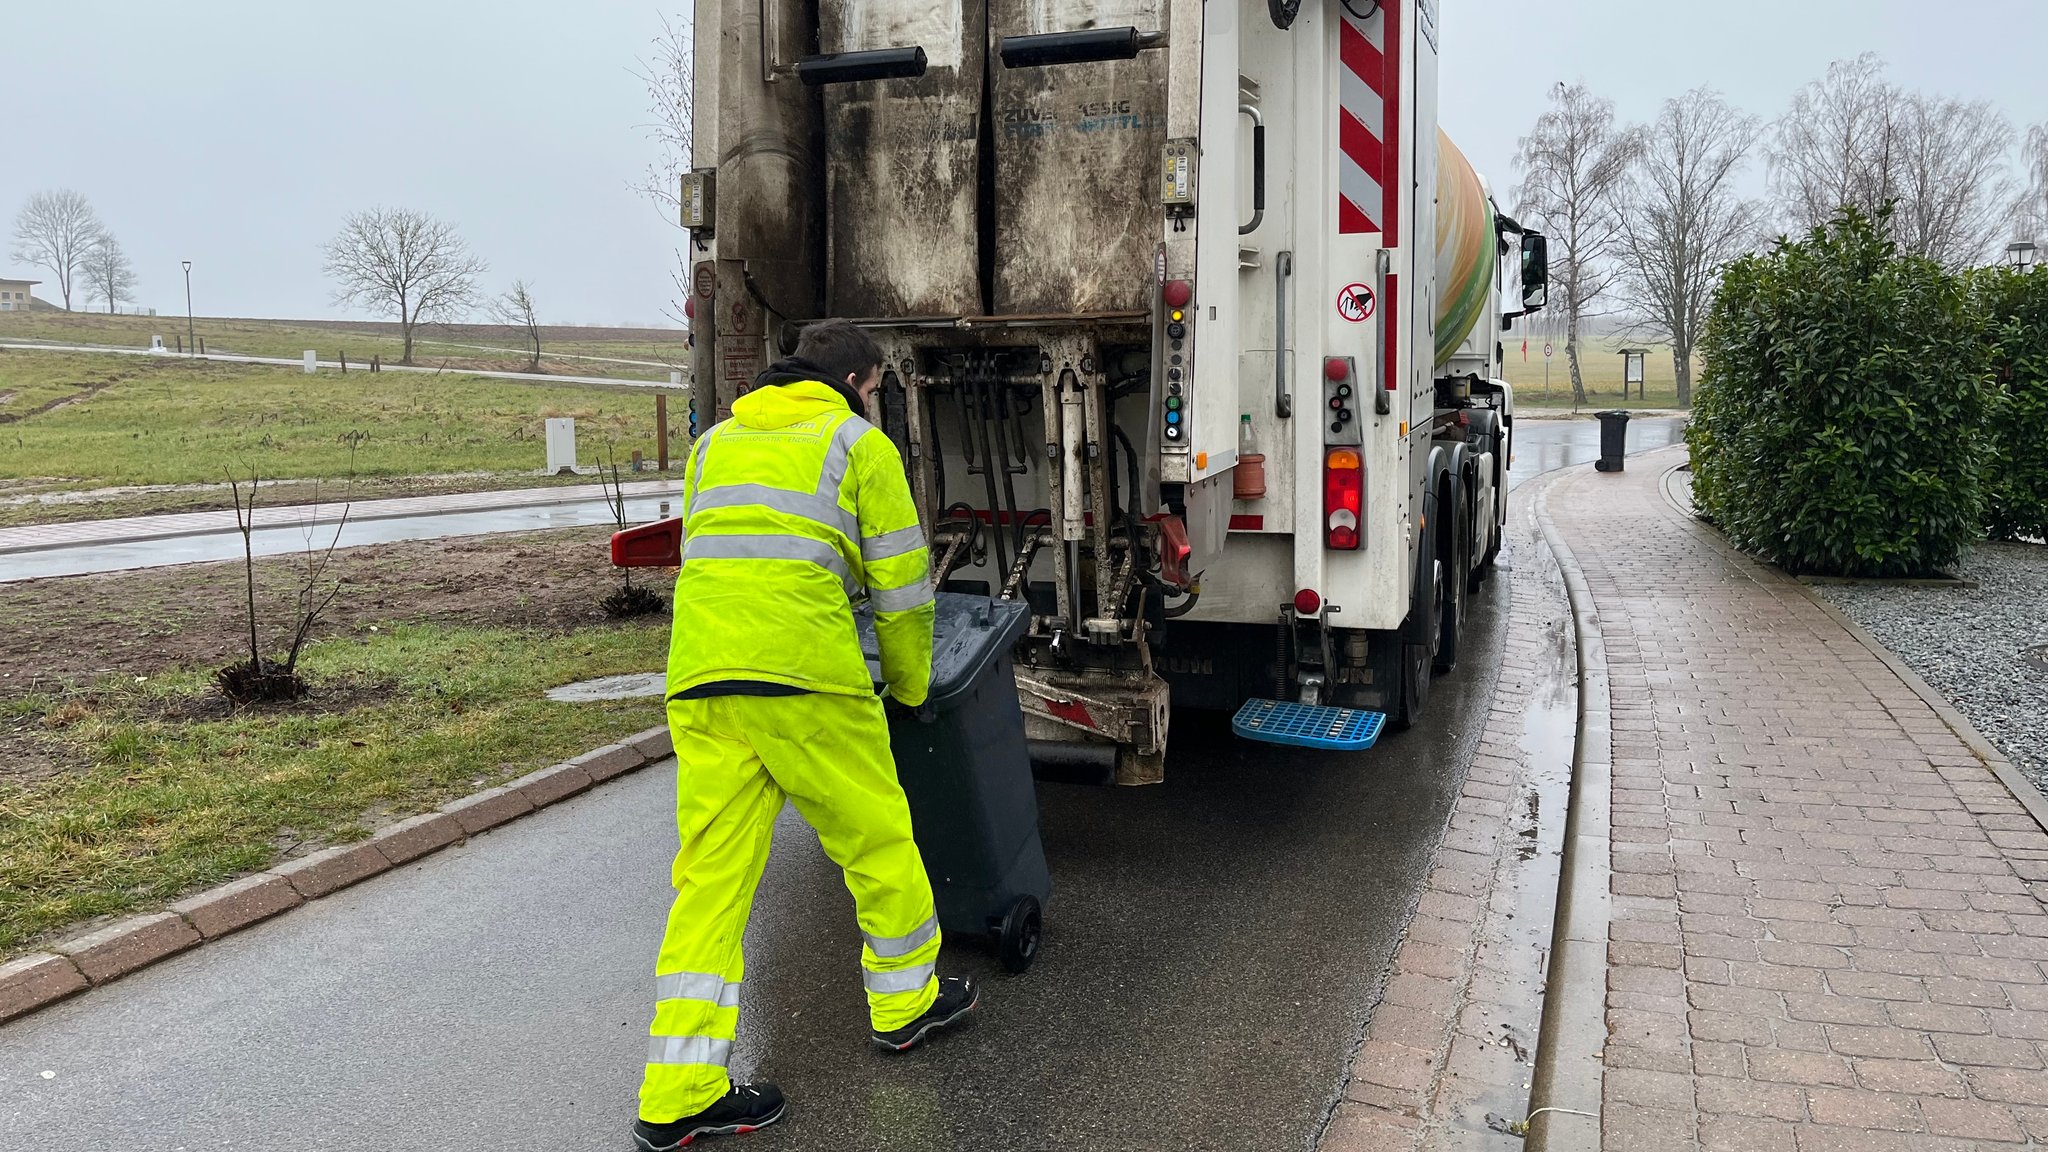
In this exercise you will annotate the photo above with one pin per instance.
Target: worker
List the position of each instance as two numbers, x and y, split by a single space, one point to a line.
791 509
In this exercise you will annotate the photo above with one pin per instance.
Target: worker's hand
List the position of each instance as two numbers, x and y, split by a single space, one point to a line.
896 706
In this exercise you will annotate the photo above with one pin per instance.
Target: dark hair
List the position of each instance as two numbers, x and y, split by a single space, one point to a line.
841 349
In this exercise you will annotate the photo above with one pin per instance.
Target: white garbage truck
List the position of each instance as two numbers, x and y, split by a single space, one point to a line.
1192 320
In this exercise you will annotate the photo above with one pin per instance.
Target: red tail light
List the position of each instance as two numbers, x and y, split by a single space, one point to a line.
1343 498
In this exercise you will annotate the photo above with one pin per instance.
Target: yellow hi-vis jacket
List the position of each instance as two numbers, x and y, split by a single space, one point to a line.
792 510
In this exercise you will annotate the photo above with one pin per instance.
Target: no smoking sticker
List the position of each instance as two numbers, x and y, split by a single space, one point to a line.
1355 303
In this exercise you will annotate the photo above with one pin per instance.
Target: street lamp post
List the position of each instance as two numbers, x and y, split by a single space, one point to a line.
191 345
2021 254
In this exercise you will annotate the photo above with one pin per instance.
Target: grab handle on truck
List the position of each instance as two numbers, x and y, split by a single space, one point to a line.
853 67
1258 168
1086 46
1283 400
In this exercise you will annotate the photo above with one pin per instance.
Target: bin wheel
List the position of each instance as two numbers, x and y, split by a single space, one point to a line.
1017 940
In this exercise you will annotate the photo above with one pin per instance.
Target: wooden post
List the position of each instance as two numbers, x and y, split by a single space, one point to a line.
343 354
181 345
202 345
376 363
636 460
661 429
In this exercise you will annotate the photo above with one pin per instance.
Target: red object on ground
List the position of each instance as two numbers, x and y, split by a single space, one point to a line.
656 545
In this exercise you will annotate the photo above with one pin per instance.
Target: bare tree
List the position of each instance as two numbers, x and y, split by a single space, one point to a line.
108 275
670 77
2030 209
56 230
1855 139
404 264
516 310
1953 181
1837 144
1573 163
1682 218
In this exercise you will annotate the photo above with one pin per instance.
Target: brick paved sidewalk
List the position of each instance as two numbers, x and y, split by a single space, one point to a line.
1826 931
30 537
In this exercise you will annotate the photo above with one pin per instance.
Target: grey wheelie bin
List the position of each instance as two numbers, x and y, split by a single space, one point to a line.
967 772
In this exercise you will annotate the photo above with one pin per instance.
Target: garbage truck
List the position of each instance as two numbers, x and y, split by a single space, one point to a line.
1192 320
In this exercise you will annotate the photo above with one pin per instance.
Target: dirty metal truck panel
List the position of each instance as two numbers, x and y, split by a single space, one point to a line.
902 161
1076 150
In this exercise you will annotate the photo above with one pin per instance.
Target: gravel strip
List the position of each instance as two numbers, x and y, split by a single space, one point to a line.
1972 644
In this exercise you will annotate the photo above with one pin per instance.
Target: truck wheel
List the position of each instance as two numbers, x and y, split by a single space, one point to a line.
1017 942
1415 678
1451 587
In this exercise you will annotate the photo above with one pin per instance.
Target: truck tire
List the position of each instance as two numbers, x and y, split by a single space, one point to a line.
1422 632
1454 547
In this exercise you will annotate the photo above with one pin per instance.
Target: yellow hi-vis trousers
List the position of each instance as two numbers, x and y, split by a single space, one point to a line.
736 758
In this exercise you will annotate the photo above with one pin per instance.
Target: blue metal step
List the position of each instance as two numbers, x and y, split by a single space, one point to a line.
1308 726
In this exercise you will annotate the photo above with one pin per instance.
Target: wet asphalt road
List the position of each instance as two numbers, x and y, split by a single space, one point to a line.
1214 947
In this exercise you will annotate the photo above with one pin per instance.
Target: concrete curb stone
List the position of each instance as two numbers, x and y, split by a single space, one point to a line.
653 744
332 869
601 764
553 785
238 904
87 960
122 947
408 840
37 979
488 809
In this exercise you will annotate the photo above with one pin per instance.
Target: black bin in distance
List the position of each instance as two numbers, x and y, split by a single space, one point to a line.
964 765
1613 440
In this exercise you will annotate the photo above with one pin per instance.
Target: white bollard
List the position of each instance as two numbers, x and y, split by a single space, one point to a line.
561 445
312 362
156 344
675 379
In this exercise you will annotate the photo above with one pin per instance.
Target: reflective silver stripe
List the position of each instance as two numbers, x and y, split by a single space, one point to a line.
901 599
898 543
838 455
816 509
697 469
890 947
688 1050
908 980
697 986
768 548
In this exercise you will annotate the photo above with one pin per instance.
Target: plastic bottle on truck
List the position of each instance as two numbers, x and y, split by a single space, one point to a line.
1248 482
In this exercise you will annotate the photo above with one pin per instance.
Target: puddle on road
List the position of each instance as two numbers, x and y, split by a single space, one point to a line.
632 686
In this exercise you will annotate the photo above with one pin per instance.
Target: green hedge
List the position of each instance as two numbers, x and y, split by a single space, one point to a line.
1837 424
2014 308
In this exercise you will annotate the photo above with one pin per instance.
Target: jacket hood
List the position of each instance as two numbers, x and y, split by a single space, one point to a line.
790 390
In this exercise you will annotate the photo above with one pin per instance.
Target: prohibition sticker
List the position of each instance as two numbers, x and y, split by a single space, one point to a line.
704 279
1355 303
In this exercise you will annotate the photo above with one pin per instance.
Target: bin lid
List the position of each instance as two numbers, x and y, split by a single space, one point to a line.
969 634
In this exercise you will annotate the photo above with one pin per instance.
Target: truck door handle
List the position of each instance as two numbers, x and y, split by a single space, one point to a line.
1258 168
1283 269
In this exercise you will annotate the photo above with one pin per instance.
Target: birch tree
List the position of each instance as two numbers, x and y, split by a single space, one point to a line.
1573 164
516 310
1682 218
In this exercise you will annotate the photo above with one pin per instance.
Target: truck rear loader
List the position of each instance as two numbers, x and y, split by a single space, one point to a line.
1192 321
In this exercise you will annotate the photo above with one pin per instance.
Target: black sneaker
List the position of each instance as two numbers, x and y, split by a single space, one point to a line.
746 1108
957 997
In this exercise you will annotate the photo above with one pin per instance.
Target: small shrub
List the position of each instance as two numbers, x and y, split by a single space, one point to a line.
1837 426
2014 308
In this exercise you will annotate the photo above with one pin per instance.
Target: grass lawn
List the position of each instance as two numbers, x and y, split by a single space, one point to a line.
126 783
166 803
71 421
1601 364
491 346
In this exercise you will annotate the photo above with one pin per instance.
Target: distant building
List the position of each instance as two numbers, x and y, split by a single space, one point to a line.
14 294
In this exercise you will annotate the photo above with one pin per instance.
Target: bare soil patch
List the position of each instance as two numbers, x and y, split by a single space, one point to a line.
66 632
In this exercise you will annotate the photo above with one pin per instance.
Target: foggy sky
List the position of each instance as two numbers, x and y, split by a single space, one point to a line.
237 134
